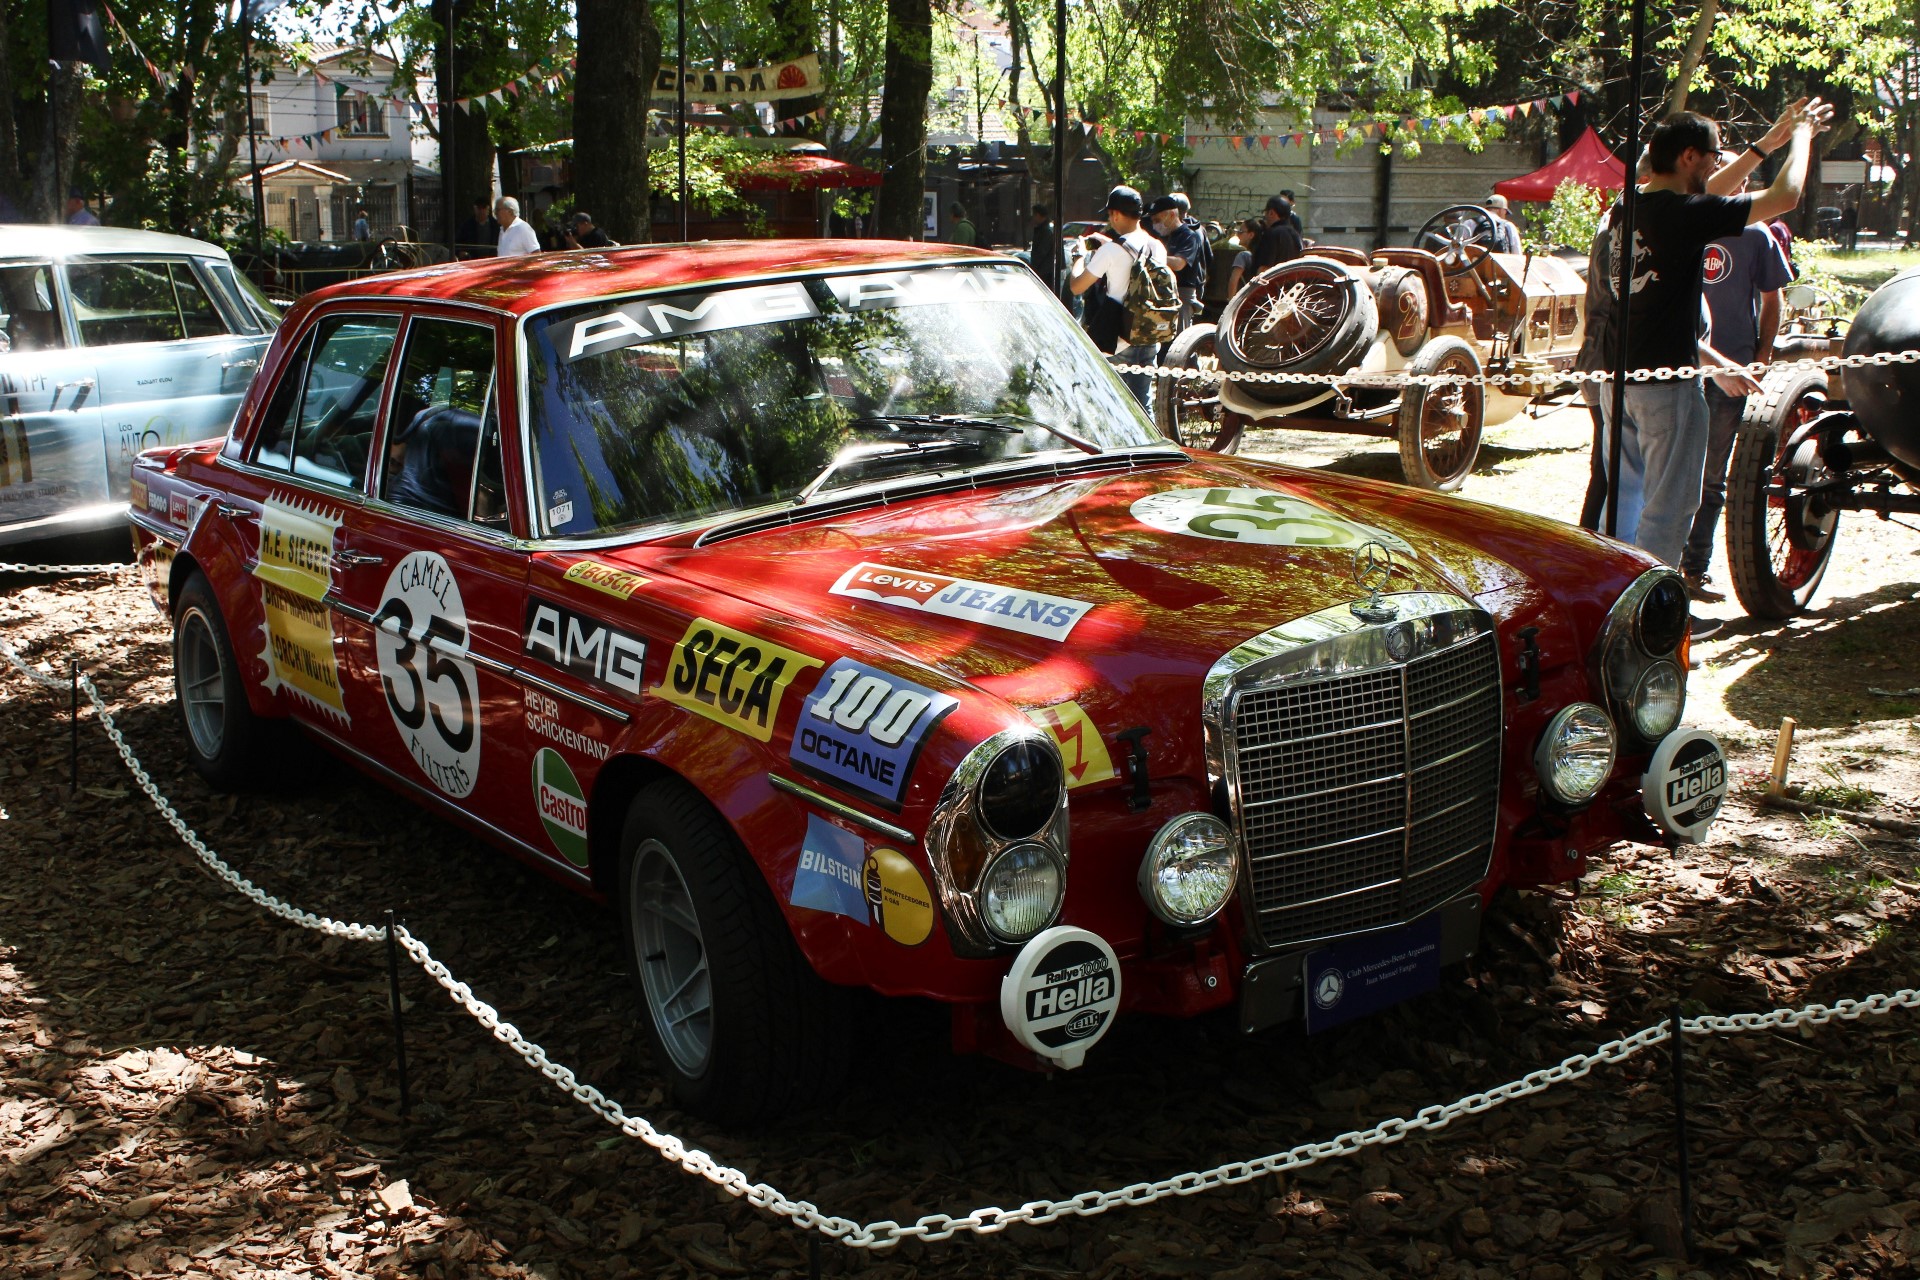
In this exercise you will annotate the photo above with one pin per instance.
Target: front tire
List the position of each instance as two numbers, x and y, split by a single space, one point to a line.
1439 426
223 735
1778 544
741 1027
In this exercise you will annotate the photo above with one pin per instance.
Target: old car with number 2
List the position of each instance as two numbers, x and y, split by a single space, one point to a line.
832 611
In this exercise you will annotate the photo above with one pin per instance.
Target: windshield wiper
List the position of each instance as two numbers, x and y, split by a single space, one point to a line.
859 453
1010 423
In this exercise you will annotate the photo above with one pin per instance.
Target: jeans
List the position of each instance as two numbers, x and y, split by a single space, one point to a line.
1141 384
1663 455
1595 503
1189 305
1723 420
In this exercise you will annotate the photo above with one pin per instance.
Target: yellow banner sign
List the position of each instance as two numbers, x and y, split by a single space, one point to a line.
731 677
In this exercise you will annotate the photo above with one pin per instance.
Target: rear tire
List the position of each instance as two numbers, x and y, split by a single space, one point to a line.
224 738
741 1027
1777 547
1439 426
1306 315
1189 412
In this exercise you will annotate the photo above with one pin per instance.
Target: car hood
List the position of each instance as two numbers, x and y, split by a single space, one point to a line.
1039 590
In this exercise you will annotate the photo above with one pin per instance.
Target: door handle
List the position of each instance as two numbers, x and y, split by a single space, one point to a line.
348 559
229 511
239 364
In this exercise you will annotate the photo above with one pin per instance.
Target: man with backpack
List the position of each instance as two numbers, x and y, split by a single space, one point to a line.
1141 302
1187 250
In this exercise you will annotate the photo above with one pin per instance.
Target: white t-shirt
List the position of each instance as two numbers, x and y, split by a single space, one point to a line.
517 238
1114 264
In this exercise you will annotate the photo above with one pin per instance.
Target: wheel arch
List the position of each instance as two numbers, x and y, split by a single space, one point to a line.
620 779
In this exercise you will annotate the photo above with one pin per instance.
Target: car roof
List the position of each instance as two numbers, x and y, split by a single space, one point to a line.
525 283
38 240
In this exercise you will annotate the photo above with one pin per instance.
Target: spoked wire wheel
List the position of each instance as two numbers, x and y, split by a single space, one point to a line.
1439 425
670 954
1188 411
1310 315
1779 535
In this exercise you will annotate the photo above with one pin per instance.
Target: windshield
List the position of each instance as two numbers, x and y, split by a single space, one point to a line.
669 409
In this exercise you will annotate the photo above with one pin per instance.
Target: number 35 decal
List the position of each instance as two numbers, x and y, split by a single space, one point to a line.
431 689
1255 515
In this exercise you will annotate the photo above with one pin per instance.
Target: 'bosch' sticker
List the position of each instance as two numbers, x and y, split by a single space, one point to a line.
1257 516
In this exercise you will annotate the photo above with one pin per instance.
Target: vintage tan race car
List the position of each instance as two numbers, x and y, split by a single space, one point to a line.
1449 304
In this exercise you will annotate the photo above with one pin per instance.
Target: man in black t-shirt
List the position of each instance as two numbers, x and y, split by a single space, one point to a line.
1279 242
1664 444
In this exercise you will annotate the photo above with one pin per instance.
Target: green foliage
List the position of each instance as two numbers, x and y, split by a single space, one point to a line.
713 159
1571 220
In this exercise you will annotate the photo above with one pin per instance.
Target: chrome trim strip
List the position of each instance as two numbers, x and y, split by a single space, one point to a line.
1322 848
1397 776
164 532
1375 887
839 809
545 685
1320 737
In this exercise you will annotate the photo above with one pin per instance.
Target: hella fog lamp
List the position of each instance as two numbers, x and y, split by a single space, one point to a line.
1576 753
1658 700
1190 869
1020 892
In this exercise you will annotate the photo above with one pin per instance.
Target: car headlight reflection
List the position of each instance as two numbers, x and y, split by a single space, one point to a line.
1658 700
1576 754
1020 892
1189 870
1020 790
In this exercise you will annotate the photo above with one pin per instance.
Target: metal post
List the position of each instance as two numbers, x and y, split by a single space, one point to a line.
1678 1041
73 728
1060 149
253 144
680 92
399 1026
1623 267
813 1256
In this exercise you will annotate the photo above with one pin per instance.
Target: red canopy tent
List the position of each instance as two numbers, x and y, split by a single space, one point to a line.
803 173
1587 161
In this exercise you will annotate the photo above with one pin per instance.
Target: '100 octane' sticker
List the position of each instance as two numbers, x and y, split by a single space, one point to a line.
1033 613
861 728
836 874
430 686
731 677
1257 516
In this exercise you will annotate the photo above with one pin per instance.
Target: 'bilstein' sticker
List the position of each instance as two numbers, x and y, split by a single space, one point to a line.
730 677
1033 613
1257 516
898 898
561 804
828 877
617 583
1081 748
861 729
430 686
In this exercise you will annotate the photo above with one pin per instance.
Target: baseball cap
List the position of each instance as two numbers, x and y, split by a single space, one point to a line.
1163 204
1127 201
1496 201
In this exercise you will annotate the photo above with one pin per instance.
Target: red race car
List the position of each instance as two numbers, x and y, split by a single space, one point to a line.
834 612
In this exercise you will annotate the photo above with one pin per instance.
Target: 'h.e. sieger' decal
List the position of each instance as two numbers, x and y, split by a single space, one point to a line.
861 729
588 648
730 677
294 564
1033 613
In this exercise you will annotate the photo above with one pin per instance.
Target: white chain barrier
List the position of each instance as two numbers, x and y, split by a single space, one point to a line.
1387 381
65 570
986 1220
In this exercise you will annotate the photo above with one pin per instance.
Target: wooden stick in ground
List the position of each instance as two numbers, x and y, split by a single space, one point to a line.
1897 826
1782 754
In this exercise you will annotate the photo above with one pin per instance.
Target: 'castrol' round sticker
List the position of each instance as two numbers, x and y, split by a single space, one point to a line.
430 687
1061 994
1257 516
1685 783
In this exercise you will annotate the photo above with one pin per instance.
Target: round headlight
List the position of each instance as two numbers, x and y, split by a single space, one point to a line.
1658 701
1020 790
1663 617
1190 869
1576 753
1020 892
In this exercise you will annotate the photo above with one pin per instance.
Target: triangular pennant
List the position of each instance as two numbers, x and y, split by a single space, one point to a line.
1524 108
1573 97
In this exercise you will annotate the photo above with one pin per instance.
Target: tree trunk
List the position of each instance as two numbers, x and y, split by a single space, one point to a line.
613 79
903 117
1690 58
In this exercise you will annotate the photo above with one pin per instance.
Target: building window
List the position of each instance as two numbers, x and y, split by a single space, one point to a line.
363 116
257 117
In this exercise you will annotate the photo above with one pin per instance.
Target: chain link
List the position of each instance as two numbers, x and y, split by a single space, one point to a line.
65 570
1387 381
986 1220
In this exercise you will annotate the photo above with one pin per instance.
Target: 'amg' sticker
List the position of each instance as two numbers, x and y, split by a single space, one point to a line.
680 316
588 648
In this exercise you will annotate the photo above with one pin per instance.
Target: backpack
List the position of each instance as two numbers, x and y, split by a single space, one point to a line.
1153 301
1206 256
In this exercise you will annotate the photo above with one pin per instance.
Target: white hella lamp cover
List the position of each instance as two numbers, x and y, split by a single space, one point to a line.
1061 994
1685 784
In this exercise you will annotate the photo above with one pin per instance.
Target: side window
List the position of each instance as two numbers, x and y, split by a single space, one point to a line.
29 309
443 436
197 314
273 444
321 417
122 302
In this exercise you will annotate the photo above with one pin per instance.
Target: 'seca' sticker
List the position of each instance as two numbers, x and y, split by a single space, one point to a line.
730 677
1061 994
561 804
1257 516
430 686
1685 784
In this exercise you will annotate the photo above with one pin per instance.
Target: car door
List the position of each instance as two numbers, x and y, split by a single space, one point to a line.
171 370
432 572
51 462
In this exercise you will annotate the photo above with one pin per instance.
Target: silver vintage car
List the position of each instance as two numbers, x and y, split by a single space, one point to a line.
111 342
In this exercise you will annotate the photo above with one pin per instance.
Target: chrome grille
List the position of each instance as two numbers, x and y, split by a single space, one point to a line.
1366 798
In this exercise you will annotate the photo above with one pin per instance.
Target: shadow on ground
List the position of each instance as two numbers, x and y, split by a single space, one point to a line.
1820 668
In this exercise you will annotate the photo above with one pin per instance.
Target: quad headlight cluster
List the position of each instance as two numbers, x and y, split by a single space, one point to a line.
999 841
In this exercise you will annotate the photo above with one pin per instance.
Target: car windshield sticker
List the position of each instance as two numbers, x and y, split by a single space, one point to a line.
561 804
294 566
430 686
617 583
1032 612
828 877
861 729
731 677
898 898
681 316
887 289
560 514
1081 748
1257 516
577 643
543 721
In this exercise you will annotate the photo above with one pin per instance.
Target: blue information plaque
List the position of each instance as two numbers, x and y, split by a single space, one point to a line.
1352 979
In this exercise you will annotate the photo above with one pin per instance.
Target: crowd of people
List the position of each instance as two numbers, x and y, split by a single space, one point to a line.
496 230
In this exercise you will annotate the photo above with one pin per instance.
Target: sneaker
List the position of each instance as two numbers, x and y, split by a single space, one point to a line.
1703 628
1697 589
